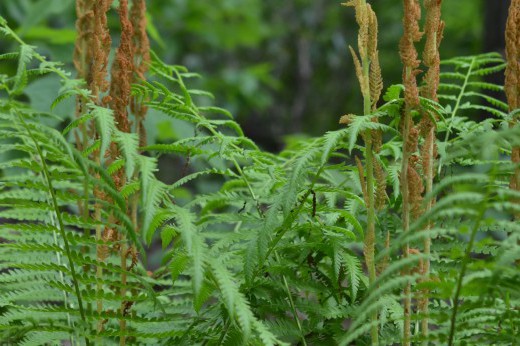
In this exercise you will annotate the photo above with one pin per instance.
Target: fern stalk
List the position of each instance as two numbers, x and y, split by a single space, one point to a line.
369 77
462 273
406 226
459 99
291 302
122 291
99 269
370 236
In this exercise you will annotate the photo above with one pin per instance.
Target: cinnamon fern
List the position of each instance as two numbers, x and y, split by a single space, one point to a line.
327 242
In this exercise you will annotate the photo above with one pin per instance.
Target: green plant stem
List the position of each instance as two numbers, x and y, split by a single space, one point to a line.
56 208
427 240
99 269
291 302
406 219
464 267
122 292
370 236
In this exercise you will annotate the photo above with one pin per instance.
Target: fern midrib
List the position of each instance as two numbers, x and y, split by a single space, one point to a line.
60 223
457 105
464 267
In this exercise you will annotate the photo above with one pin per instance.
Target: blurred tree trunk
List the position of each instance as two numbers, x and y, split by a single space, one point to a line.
493 32
495 24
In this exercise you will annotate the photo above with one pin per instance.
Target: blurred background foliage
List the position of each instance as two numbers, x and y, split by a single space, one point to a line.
282 67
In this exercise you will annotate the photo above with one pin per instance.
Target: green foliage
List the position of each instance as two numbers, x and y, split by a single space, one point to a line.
273 256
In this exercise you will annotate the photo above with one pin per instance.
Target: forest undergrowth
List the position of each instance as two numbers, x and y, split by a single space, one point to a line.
400 228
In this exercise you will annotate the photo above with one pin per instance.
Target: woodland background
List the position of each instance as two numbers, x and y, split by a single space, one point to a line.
281 67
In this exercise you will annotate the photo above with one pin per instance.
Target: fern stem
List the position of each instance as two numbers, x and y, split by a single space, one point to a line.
249 188
122 292
99 256
99 269
62 277
424 308
457 105
462 273
406 217
224 331
459 99
291 302
56 208
370 236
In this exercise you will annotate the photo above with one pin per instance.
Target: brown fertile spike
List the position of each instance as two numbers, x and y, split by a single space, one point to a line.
362 181
141 55
100 50
512 77
122 71
85 28
380 176
408 177
434 28
140 38
412 34
82 60
359 72
375 79
415 188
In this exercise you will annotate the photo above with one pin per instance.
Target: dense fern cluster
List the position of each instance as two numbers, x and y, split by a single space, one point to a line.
274 256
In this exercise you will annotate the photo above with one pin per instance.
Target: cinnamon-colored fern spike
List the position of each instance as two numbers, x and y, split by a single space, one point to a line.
122 75
141 55
409 181
512 80
100 51
433 30
368 73
101 44
91 59
122 70
82 58
141 59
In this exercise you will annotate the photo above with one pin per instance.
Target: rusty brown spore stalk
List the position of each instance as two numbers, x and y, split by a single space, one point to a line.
93 45
434 28
91 54
141 55
122 70
91 61
101 50
411 184
85 29
512 79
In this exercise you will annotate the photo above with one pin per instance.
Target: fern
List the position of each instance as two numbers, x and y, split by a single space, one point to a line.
272 255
